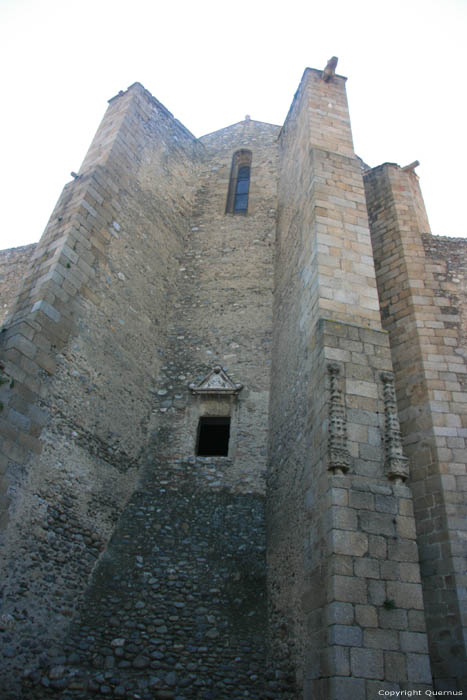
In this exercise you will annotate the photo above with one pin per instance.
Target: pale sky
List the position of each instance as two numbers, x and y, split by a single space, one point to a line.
210 63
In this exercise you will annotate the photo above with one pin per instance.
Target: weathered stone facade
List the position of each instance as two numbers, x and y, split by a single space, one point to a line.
14 263
317 551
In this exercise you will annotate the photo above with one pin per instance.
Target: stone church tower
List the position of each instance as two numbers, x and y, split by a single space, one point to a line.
233 420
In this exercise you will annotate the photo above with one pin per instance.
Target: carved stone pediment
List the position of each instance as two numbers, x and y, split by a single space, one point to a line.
216 382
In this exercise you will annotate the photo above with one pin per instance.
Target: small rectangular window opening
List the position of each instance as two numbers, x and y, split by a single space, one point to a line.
213 437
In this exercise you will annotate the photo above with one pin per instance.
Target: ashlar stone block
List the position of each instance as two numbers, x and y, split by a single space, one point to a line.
405 595
418 668
395 666
366 615
345 635
348 589
350 543
367 663
381 639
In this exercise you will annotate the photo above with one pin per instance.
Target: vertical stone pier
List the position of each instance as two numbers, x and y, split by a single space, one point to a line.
345 592
421 311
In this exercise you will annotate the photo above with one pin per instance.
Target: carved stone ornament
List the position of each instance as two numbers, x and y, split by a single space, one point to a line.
216 382
330 70
338 454
396 465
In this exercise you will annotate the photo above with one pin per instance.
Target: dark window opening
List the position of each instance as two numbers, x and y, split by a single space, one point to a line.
239 185
241 192
213 437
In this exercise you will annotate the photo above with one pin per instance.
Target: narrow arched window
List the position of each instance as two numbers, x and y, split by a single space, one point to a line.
242 189
239 186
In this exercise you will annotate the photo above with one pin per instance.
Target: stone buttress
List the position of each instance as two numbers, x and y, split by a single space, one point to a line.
422 311
79 351
344 578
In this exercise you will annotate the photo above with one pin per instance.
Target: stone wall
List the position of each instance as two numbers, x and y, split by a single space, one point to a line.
222 310
177 605
135 567
451 255
13 265
179 288
420 305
